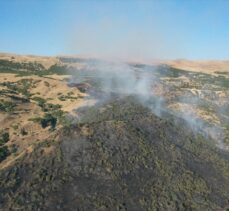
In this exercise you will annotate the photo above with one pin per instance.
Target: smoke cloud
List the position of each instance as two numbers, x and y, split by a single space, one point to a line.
122 79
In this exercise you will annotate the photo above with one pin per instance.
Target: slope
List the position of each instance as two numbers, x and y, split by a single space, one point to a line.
120 156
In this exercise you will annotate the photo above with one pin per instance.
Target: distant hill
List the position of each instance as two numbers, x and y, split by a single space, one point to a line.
43 60
210 67
205 66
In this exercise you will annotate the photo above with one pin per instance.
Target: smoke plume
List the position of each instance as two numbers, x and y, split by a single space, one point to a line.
143 82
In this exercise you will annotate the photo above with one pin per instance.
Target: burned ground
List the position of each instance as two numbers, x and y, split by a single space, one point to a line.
120 160
117 154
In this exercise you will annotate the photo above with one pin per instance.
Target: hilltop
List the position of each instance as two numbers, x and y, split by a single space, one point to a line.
209 67
204 66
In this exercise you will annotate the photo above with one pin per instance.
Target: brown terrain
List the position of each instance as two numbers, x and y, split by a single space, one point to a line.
55 139
44 60
53 89
209 67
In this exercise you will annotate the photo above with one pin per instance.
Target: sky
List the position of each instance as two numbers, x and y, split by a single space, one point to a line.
130 29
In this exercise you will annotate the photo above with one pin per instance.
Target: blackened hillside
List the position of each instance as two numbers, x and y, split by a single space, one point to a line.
124 158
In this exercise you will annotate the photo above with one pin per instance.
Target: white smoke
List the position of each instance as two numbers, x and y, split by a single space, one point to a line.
118 78
122 79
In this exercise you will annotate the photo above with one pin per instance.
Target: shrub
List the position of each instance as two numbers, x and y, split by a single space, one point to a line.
14 148
7 106
15 127
4 138
48 120
40 101
23 131
56 69
4 152
46 106
62 98
52 107
46 83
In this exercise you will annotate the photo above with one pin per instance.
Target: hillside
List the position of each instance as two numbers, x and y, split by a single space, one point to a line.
209 67
202 66
127 159
85 134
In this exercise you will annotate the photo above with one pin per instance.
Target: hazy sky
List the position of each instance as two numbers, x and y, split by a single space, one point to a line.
165 29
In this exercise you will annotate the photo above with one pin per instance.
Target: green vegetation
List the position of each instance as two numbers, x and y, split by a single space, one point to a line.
23 132
149 163
53 114
30 68
51 107
4 152
40 101
51 119
14 67
46 107
68 96
203 78
171 72
7 106
13 149
21 87
4 138
160 163
62 98
15 126
57 69
48 120
220 81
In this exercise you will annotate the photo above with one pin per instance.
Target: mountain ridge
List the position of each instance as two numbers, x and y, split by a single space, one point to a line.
205 66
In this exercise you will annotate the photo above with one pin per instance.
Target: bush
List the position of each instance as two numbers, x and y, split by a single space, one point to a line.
21 86
14 148
4 152
41 101
52 107
56 69
23 131
7 106
4 138
46 106
48 120
46 83
12 66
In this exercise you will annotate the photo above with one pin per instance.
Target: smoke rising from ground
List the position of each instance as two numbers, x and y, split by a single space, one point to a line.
119 78
122 79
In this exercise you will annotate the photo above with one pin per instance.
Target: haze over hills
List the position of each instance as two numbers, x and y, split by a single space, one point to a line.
114 105
206 66
87 134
